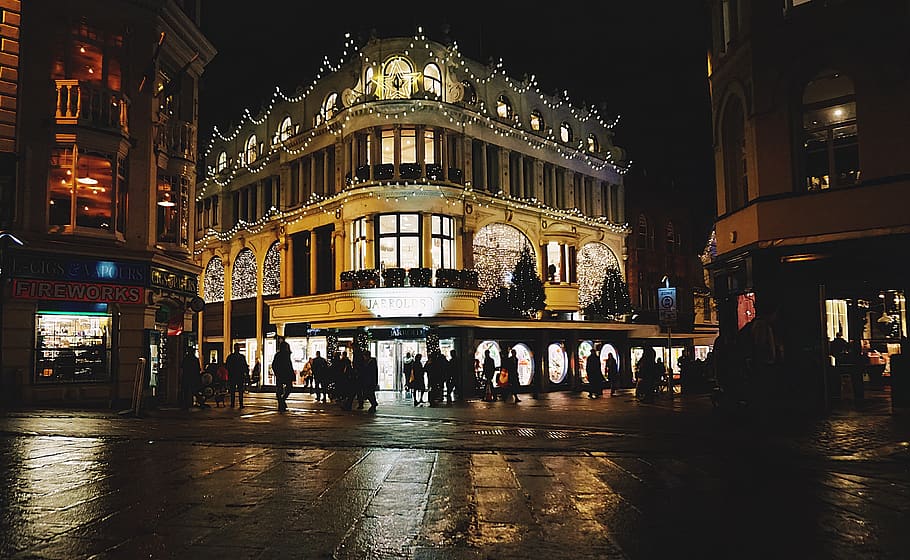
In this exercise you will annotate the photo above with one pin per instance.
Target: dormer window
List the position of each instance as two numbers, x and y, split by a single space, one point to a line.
565 132
251 150
222 162
432 80
504 108
593 145
537 123
397 79
286 130
369 84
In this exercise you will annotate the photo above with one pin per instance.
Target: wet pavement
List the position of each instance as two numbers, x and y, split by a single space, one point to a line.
561 476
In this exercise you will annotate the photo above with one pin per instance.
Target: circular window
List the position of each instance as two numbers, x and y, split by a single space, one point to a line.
559 364
525 363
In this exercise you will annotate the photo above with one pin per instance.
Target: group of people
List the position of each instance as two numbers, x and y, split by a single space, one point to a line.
507 380
342 379
230 378
601 374
437 379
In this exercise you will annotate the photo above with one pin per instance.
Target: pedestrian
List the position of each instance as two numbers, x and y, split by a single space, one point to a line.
436 370
451 378
612 371
284 374
417 383
648 375
189 378
369 379
595 375
256 375
512 383
406 373
237 368
320 368
489 370
347 388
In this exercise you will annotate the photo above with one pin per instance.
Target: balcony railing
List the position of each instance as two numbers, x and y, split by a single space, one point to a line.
178 139
411 277
87 104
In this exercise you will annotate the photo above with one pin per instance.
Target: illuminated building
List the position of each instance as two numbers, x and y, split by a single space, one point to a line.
390 199
810 119
98 147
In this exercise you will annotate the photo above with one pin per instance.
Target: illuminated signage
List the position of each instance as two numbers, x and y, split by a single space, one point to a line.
400 305
79 270
77 291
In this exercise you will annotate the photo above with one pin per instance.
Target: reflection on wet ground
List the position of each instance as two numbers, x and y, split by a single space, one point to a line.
157 488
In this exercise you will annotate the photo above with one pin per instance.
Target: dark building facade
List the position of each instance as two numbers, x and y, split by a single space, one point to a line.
810 119
99 165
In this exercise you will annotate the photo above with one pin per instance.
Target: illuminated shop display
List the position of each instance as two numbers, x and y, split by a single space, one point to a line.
72 347
558 361
525 363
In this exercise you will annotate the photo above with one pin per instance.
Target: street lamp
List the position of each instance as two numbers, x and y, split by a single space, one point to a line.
6 240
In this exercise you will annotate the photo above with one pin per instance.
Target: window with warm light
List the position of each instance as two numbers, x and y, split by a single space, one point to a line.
443 241
504 108
82 189
251 149
408 145
222 162
565 132
397 79
90 56
286 130
173 210
537 123
830 136
429 147
330 107
593 144
387 139
359 243
432 80
369 82
399 240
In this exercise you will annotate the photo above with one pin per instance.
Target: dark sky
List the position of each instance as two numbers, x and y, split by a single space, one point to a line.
641 60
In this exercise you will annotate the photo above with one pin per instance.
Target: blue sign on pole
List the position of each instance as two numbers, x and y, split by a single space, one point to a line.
666 305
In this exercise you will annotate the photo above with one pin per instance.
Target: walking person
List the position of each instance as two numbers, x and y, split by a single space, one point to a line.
451 378
256 375
595 375
418 385
189 378
284 374
489 370
369 379
320 369
512 384
648 375
612 371
237 368
406 374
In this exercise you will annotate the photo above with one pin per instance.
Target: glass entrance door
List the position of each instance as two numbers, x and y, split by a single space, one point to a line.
390 355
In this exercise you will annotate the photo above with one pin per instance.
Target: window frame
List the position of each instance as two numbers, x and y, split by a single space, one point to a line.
446 241
397 235
251 149
565 132
432 82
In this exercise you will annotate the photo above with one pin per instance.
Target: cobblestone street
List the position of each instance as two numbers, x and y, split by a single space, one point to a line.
557 477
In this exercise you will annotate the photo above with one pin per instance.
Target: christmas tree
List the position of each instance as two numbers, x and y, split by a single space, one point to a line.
613 300
526 295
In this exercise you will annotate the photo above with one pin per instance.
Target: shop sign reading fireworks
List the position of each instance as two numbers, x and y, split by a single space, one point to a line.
24 288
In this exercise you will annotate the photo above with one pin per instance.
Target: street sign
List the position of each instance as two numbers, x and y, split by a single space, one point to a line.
666 305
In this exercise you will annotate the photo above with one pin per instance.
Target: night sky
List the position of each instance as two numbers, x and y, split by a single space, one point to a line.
643 61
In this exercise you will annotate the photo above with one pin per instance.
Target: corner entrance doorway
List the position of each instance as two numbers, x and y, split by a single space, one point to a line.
390 356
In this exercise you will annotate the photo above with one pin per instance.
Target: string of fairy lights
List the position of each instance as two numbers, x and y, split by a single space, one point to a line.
243 276
451 57
592 261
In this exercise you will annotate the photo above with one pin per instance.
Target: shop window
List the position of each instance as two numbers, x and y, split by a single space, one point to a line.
525 363
830 135
443 239
399 240
82 189
72 347
558 362
432 80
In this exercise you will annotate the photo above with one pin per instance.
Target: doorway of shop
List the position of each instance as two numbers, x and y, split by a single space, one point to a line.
390 357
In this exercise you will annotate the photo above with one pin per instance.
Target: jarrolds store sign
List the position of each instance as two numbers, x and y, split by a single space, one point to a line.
45 277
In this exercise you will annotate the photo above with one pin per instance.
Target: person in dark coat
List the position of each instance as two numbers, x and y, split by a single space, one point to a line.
436 370
238 369
451 378
189 378
369 379
345 381
284 374
512 384
612 371
417 383
320 370
595 375
489 371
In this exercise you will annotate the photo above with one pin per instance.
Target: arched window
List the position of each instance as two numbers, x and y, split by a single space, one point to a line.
593 144
222 162
271 271
496 250
286 130
397 79
432 80
369 84
642 232
736 180
504 108
593 261
329 108
565 132
830 136
470 94
251 150
537 123
243 275
213 281
670 235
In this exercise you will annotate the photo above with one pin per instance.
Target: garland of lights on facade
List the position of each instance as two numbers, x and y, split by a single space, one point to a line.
592 261
244 275
496 250
271 272
213 281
